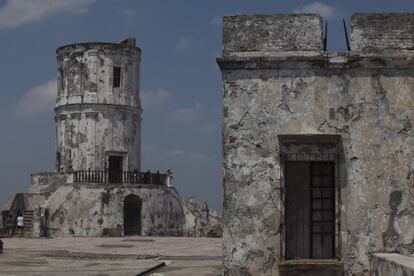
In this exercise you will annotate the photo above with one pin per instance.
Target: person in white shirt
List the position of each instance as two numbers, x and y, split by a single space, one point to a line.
20 224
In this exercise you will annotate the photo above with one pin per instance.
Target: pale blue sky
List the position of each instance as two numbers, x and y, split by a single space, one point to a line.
180 81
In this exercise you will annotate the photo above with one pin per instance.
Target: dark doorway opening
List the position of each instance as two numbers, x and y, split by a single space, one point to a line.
115 169
132 215
310 210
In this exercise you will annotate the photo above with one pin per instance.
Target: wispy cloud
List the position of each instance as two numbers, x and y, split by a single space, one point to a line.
173 155
183 44
197 115
189 114
38 99
154 98
15 13
129 15
324 10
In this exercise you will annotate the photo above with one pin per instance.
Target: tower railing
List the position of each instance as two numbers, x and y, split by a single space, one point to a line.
132 177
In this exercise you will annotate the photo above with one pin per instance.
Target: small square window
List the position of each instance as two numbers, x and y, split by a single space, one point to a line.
116 77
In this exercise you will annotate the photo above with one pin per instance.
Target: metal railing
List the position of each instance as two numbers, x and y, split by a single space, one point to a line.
133 177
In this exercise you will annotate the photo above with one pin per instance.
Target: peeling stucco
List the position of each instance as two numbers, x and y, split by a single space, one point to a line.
364 96
93 118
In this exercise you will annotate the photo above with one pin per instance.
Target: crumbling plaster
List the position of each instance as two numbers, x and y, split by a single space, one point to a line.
99 210
364 97
200 220
93 118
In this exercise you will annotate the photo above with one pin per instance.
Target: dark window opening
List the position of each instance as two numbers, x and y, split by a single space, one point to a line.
58 161
61 81
116 77
310 210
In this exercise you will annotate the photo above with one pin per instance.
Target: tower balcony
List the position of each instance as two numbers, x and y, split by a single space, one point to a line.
113 177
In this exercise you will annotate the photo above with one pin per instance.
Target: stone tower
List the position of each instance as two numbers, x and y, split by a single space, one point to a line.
97 188
98 111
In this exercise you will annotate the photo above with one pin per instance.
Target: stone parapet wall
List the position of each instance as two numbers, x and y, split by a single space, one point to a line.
250 34
46 182
383 264
201 221
382 31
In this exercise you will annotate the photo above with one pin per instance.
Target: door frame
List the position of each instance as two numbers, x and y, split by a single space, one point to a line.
140 213
286 157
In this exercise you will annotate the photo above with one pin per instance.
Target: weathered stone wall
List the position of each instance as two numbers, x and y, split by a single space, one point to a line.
201 221
392 264
249 34
97 209
382 31
93 118
46 182
365 98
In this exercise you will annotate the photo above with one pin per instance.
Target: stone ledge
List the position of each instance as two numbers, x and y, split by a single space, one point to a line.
311 267
384 264
322 61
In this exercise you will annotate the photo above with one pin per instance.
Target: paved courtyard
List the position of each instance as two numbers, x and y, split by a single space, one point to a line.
111 256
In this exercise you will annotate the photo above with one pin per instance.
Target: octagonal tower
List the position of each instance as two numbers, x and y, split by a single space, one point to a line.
98 111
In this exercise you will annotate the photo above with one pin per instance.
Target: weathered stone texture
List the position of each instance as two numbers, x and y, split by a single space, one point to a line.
382 31
250 34
46 182
97 121
99 210
392 264
368 101
94 119
201 221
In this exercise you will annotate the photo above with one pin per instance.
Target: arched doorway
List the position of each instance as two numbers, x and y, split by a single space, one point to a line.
132 215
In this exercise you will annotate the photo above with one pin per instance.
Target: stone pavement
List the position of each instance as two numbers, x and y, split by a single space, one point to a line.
111 256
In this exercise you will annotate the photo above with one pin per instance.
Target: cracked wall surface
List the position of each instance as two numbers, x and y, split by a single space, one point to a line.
99 210
94 119
382 31
365 97
201 221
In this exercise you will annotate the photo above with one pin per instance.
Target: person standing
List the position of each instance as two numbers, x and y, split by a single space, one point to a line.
20 224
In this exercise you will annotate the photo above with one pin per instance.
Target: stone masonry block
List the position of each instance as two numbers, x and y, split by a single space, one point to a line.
267 33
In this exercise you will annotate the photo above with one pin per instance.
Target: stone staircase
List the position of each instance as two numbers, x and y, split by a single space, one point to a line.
28 222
